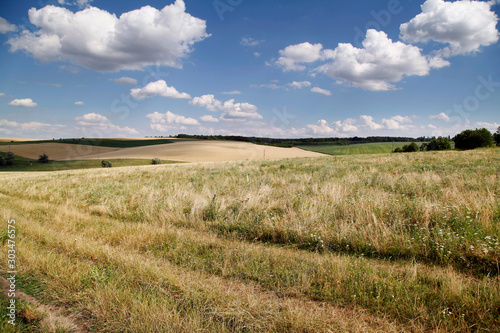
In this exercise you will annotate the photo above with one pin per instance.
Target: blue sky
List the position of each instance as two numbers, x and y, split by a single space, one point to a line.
73 68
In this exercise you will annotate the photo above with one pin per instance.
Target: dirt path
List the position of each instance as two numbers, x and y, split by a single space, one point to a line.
53 317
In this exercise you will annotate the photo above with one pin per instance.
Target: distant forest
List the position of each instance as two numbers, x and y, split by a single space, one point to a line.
304 141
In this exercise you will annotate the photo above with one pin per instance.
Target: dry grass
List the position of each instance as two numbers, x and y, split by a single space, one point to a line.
373 243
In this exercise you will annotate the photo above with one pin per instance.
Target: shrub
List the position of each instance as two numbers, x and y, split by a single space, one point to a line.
156 160
440 143
424 146
10 158
412 147
397 150
43 158
106 164
471 139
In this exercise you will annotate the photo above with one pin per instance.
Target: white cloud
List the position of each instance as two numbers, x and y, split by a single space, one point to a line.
441 116
321 91
170 118
250 41
6 27
321 128
379 64
492 127
231 110
256 54
368 120
209 119
26 102
97 39
79 103
234 92
158 88
300 84
207 101
272 86
238 111
396 122
97 122
125 81
29 129
293 55
464 25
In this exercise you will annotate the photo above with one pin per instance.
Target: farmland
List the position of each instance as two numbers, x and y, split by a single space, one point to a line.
355 149
389 242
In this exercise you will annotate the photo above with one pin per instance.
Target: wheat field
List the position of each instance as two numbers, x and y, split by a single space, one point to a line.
372 243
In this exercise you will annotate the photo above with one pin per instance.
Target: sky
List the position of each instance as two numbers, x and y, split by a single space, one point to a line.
281 68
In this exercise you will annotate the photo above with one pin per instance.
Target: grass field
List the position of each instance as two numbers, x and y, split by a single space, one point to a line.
29 165
355 149
379 243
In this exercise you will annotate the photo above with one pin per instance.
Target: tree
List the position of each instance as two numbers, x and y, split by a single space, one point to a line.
106 164
2 161
441 143
10 158
44 158
471 139
412 147
496 136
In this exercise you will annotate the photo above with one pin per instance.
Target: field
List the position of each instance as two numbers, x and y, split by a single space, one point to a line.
372 243
355 149
184 151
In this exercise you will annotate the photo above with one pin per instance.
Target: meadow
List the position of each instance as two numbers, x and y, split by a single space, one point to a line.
355 149
361 243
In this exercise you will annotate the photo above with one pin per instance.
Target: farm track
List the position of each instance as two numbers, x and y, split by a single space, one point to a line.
247 300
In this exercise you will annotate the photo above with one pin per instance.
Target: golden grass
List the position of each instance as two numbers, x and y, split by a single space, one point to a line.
372 243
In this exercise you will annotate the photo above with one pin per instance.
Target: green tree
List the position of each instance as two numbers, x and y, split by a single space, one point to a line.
496 136
43 158
106 164
471 139
10 158
412 147
440 143
2 161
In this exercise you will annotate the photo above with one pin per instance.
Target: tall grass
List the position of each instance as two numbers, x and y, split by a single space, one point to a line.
408 242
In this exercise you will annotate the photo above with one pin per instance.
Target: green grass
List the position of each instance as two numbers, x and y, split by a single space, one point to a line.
355 149
26 164
112 143
24 322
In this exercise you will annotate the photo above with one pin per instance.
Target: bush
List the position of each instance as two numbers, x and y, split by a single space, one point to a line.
2 161
156 160
471 139
412 147
43 158
10 158
440 143
106 164
397 150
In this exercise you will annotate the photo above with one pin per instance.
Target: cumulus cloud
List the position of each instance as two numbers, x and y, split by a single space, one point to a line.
300 84
441 116
229 109
293 56
6 27
492 127
368 121
26 102
238 111
209 119
126 81
250 41
321 128
30 128
321 91
464 25
162 122
79 103
98 40
158 88
207 101
98 122
396 122
379 64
